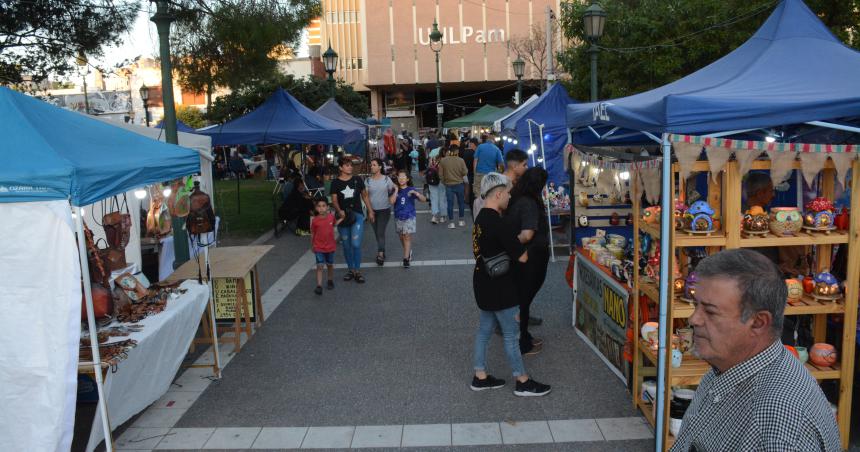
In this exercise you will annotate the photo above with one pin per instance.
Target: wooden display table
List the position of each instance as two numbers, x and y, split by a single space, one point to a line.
234 264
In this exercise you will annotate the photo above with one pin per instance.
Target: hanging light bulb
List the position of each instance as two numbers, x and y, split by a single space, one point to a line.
540 160
624 175
533 148
167 191
140 193
770 139
515 142
531 151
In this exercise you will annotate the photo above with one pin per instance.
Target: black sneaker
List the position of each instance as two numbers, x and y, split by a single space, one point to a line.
490 382
531 388
330 285
318 290
405 263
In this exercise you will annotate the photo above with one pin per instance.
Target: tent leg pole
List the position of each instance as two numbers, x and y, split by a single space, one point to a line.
665 249
548 212
91 324
212 316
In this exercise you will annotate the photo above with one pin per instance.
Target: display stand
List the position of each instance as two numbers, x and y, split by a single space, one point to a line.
232 263
724 196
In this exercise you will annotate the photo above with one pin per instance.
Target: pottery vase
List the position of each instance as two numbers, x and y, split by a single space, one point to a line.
795 289
823 355
802 354
785 220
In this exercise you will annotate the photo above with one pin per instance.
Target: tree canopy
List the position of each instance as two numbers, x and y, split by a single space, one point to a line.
310 91
235 43
649 43
42 37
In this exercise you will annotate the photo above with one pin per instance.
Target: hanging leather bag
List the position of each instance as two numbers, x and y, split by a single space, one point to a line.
201 217
117 225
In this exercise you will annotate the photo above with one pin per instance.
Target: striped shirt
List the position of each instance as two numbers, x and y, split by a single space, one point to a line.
769 402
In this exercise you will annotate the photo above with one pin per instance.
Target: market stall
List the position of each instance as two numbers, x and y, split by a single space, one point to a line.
482 118
332 110
768 104
73 161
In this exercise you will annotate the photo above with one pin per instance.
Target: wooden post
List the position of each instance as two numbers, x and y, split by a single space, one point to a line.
732 205
850 323
824 253
258 299
636 382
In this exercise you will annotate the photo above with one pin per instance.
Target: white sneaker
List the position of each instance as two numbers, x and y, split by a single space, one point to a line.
443 219
451 225
461 223
434 219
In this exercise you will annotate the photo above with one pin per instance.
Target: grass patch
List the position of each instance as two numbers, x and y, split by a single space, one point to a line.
251 215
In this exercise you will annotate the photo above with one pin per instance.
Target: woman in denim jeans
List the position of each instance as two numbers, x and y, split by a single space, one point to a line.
497 298
347 194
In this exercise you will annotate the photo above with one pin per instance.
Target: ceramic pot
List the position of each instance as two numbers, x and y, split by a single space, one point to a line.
802 354
795 289
791 350
785 220
808 284
823 355
648 327
690 286
842 220
702 216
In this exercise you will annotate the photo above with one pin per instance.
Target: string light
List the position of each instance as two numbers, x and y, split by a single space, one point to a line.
140 193
167 191
624 175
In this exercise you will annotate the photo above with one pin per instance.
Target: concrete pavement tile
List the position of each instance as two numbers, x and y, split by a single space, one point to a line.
426 435
530 432
625 428
177 399
474 434
185 438
140 438
575 430
232 438
377 436
328 437
160 417
280 438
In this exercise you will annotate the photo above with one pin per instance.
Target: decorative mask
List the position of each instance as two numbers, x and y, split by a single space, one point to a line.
795 289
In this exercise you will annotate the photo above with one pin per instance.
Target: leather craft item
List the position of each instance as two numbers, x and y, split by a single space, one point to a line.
201 218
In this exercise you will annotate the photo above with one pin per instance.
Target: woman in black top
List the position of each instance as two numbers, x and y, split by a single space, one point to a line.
527 216
347 193
497 298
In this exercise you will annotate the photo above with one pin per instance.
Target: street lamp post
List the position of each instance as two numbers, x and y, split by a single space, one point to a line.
81 61
163 18
436 46
330 62
594 19
519 69
144 96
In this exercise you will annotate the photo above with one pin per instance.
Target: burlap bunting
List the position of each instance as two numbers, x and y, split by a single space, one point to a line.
812 163
842 161
717 158
745 159
651 183
636 186
781 164
687 154
606 182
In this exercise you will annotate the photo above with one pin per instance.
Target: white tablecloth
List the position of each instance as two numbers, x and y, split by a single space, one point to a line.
147 373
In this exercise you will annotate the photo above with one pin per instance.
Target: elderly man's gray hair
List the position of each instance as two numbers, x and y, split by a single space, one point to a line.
493 181
759 281
756 182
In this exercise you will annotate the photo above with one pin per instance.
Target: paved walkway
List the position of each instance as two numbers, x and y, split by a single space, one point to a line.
387 365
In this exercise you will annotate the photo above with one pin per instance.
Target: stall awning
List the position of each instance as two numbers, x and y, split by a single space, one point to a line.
52 153
484 116
793 70
332 110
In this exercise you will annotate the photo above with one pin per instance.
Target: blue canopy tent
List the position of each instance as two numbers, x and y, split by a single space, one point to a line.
793 71
55 162
282 119
332 110
180 126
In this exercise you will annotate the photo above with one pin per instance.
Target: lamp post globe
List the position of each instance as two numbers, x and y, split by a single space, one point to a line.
81 60
436 45
330 62
593 21
144 96
519 69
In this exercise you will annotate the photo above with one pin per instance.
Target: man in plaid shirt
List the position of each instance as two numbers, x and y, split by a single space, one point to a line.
757 396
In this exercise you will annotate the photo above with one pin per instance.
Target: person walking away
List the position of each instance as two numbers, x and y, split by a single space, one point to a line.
322 242
516 163
497 297
297 208
527 215
453 172
380 190
404 213
756 395
438 200
488 158
468 155
348 192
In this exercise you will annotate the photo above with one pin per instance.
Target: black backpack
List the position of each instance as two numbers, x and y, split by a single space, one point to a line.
432 175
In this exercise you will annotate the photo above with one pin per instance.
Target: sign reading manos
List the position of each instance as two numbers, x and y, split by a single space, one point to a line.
225 297
601 312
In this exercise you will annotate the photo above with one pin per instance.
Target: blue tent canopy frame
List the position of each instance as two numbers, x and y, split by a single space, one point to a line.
332 110
282 119
51 153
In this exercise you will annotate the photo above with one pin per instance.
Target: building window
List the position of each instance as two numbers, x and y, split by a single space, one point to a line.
360 63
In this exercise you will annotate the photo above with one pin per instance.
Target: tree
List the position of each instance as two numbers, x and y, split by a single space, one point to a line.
42 37
310 91
647 44
234 43
190 115
532 49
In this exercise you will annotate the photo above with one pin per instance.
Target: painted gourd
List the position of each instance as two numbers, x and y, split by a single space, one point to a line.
701 216
785 220
756 220
819 213
795 289
680 210
826 284
823 355
690 286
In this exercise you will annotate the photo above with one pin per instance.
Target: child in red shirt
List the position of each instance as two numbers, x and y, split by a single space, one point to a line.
322 241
